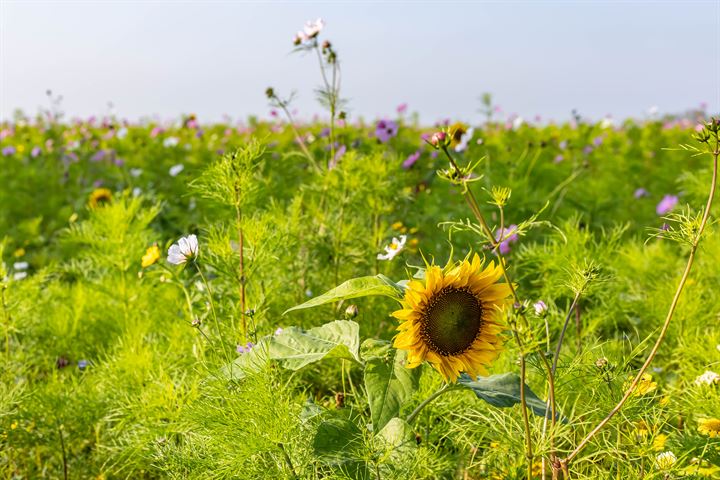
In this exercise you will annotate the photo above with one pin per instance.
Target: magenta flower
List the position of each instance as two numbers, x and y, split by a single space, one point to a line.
245 348
385 130
640 192
666 204
506 236
35 152
8 151
402 108
558 158
410 161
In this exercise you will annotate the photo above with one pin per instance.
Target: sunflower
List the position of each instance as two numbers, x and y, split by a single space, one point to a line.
454 318
709 427
100 196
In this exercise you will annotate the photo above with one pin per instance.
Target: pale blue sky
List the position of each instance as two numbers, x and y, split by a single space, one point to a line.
215 58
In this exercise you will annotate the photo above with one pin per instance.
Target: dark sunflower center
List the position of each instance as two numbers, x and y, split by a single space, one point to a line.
452 321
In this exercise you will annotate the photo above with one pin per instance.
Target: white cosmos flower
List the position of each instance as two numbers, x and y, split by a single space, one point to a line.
185 249
312 29
122 133
20 265
171 142
517 123
136 172
19 275
393 249
175 169
607 122
708 378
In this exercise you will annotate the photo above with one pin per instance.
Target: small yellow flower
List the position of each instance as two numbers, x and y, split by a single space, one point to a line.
659 442
644 386
709 427
100 196
396 226
13 425
152 255
20 148
665 460
19 252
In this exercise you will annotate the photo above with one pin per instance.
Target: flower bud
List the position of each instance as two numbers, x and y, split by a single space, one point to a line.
438 139
351 311
269 92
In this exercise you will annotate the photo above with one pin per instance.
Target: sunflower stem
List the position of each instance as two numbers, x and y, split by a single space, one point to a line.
715 152
446 387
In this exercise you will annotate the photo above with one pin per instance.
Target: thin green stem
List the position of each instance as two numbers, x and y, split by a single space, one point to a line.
288 460
445 388
671 311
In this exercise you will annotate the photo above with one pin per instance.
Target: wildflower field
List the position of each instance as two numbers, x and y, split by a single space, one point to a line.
349 299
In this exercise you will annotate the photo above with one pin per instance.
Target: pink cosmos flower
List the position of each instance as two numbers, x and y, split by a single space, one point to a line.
666 205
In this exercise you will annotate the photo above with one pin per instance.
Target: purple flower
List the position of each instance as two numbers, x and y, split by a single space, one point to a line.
245 348
410 161
540 308
506 236
597 141
385 130
338 155
278 331
325 132
99 156
666 204
9 150
82 364
559 158
588 149
35 152
640 192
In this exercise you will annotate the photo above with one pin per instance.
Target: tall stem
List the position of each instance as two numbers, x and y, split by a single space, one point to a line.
241 271
445 388
671 311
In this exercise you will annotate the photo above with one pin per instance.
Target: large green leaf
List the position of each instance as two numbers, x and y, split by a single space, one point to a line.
295 348
336 440
389 384
357 287
503 390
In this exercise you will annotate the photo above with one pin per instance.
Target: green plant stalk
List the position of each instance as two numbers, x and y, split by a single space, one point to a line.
298 138
553 369
475 208
663 331
288 460
446 387
331 98
8 319
241 268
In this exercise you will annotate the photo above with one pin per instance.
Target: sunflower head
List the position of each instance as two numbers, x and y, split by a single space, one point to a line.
454 318
100 196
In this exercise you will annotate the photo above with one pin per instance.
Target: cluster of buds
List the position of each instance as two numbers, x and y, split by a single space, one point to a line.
328 52
710 129
439 140
309 32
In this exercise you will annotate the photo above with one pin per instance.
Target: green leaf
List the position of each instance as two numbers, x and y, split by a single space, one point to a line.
389 385
355 288
295 348
398 435
502 391
337 440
